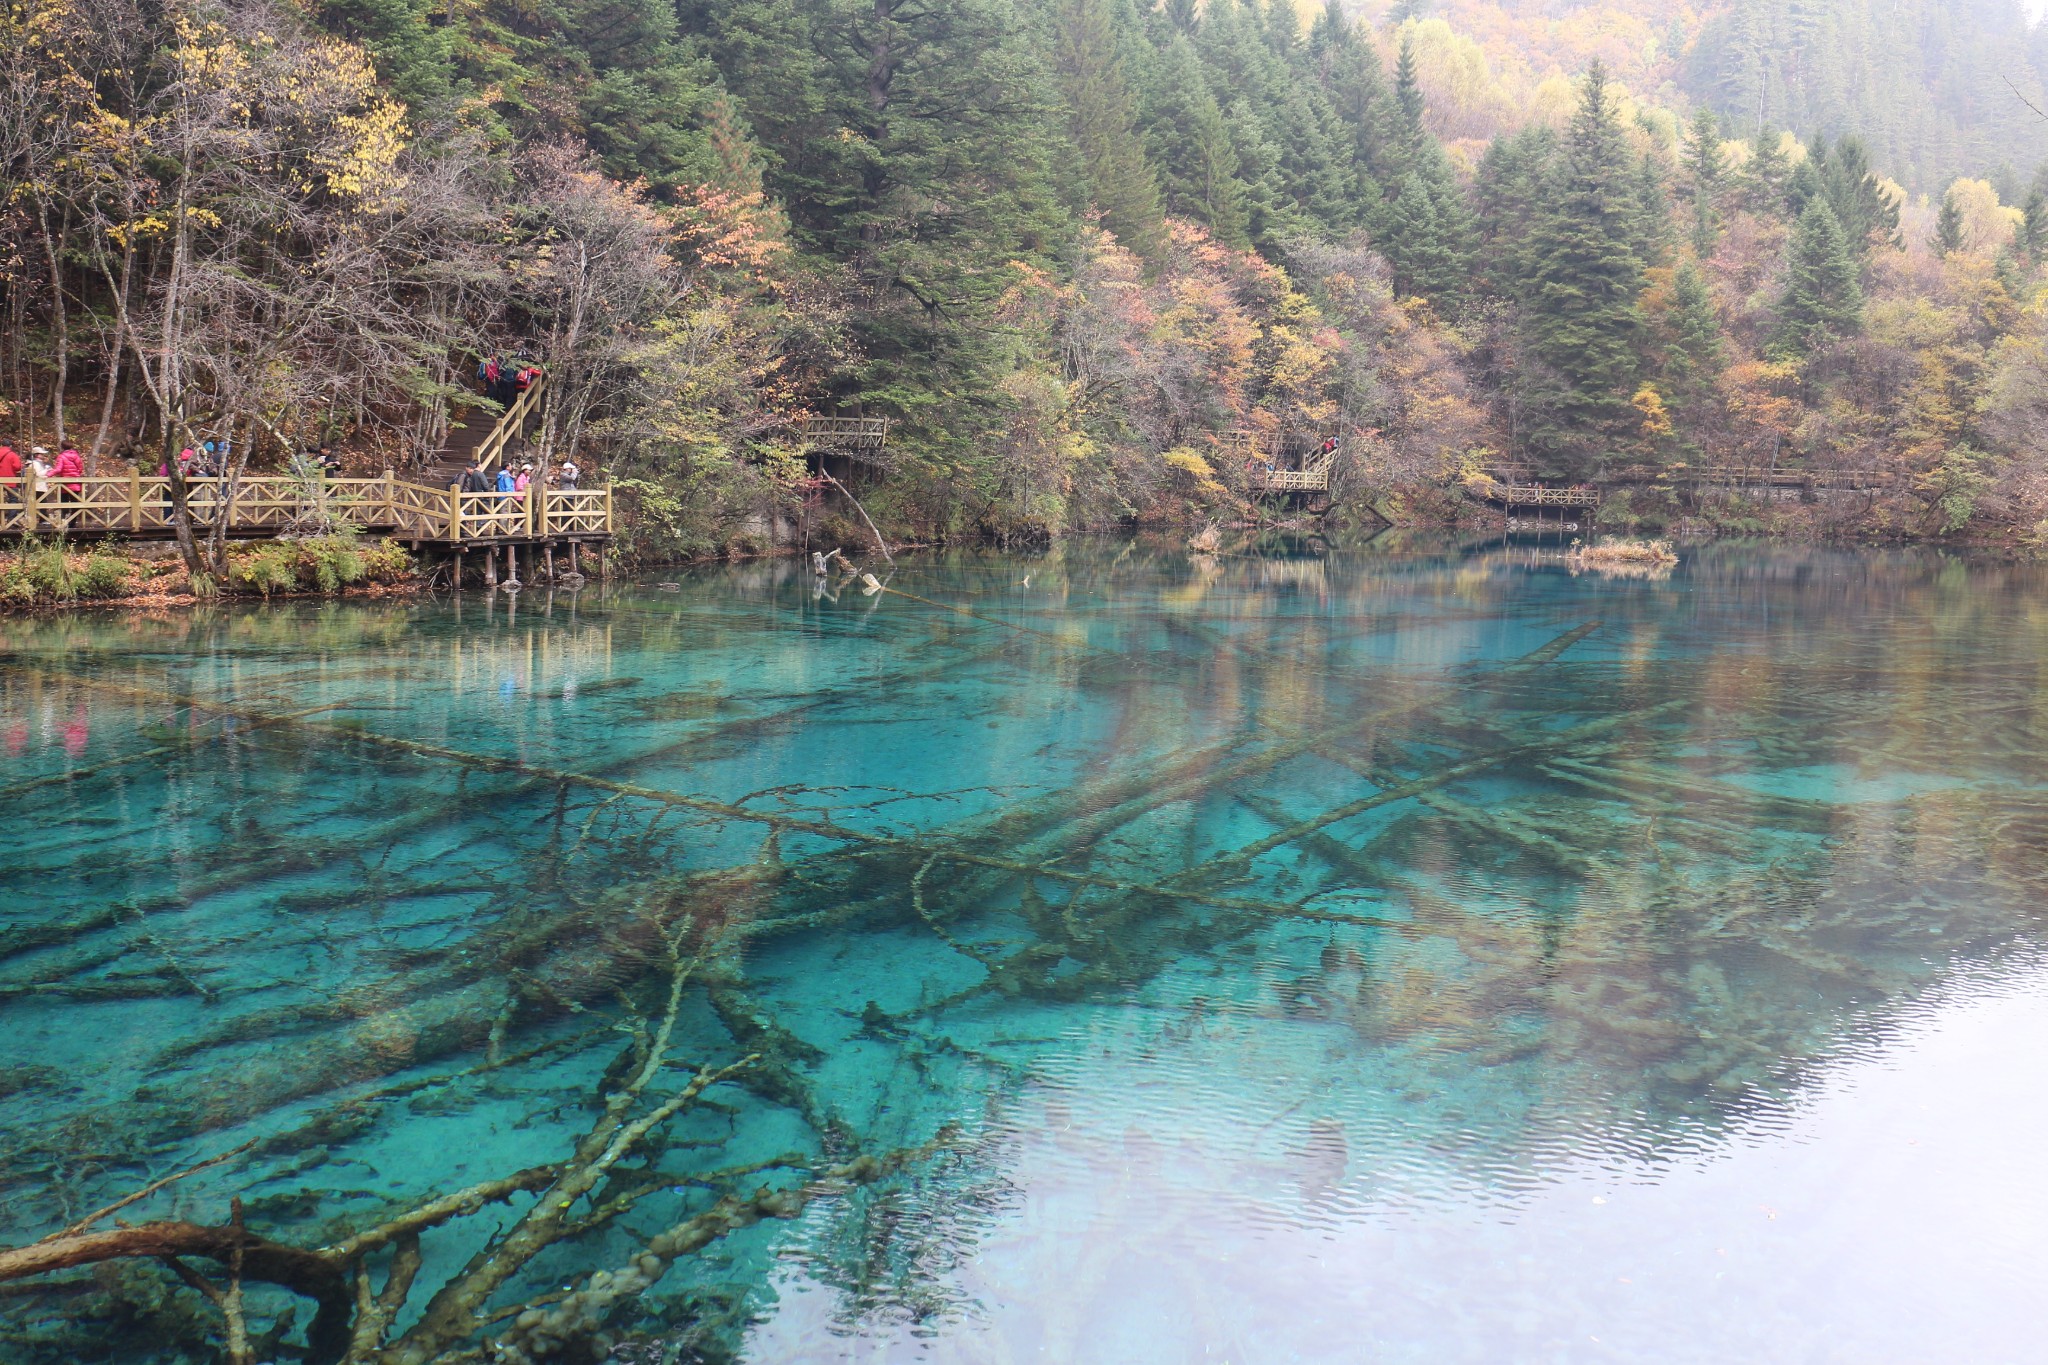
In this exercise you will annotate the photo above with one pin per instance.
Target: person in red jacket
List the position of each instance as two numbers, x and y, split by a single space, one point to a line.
10 473
68 470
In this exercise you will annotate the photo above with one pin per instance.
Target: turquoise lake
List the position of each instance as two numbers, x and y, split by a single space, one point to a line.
1404 952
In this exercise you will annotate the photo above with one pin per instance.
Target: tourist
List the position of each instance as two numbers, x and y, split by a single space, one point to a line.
10 472
70 467
570 473
38 476
507 485
519 485
474 480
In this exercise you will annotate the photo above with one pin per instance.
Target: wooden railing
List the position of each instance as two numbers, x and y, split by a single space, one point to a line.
1312 477
1534 495
269 505
1756 476
845 433
512 426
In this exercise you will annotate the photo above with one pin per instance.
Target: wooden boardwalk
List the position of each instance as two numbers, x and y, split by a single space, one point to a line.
136 507
1535 495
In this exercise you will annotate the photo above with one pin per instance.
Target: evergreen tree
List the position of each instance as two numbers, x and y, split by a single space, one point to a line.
1696 353
2033 231
1706 177
1583 324
1354 89
1191 146
1822 301
914 143
1765 179
1102 118
1424 227
1271 217
1805 182
1512 189
413 51
1867 214
1948 226
1652 227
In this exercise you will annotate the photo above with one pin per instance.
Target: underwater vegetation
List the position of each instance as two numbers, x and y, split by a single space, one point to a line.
463 983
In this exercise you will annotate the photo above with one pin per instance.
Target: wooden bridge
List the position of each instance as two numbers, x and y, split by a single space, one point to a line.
136 507
1267 474
1748 476
845 435
1535 495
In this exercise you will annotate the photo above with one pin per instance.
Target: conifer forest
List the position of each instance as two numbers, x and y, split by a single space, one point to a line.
1082 254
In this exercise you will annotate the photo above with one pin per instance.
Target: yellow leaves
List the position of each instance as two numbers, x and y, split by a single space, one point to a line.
1191 462
362 163
1987 224
1656 418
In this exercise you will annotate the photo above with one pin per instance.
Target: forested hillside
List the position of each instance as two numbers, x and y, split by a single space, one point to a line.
1089 255
1937 88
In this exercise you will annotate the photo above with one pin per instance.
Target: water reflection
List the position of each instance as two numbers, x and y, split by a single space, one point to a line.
1303 937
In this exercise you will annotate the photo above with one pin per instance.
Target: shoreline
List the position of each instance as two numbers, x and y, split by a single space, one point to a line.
391 579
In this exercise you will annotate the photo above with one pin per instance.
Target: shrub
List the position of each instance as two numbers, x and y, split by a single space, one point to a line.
38 575
316 564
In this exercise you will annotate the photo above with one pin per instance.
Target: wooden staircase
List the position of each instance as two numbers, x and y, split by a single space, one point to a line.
504 440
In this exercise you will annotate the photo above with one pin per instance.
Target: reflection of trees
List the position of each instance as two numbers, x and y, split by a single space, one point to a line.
1632 850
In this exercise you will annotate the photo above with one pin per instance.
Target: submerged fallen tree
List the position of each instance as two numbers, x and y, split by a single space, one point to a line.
356 1319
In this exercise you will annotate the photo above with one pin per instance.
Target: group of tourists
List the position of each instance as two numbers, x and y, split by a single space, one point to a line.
504 380
58 479
513 483
203 461
320 462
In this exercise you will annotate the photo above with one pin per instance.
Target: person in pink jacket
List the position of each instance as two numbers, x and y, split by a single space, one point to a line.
68 470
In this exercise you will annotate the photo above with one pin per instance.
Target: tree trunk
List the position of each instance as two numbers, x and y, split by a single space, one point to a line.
60 318
99 438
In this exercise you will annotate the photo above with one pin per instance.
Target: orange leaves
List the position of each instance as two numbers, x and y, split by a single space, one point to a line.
730 232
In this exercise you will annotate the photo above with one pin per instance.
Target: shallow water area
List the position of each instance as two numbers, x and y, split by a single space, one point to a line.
1403 951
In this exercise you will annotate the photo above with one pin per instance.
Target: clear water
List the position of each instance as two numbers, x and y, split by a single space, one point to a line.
1412 952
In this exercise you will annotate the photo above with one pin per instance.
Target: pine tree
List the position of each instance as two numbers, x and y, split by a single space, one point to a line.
1583 326
1822 301
1102 118
1948 226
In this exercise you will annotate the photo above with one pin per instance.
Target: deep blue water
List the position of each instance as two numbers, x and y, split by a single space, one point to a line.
1409 953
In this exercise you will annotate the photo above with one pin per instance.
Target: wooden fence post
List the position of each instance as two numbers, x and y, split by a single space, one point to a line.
31 494
390 498
134 498
455 512
607 509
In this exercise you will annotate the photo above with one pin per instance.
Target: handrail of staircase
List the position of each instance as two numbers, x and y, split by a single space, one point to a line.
492 448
